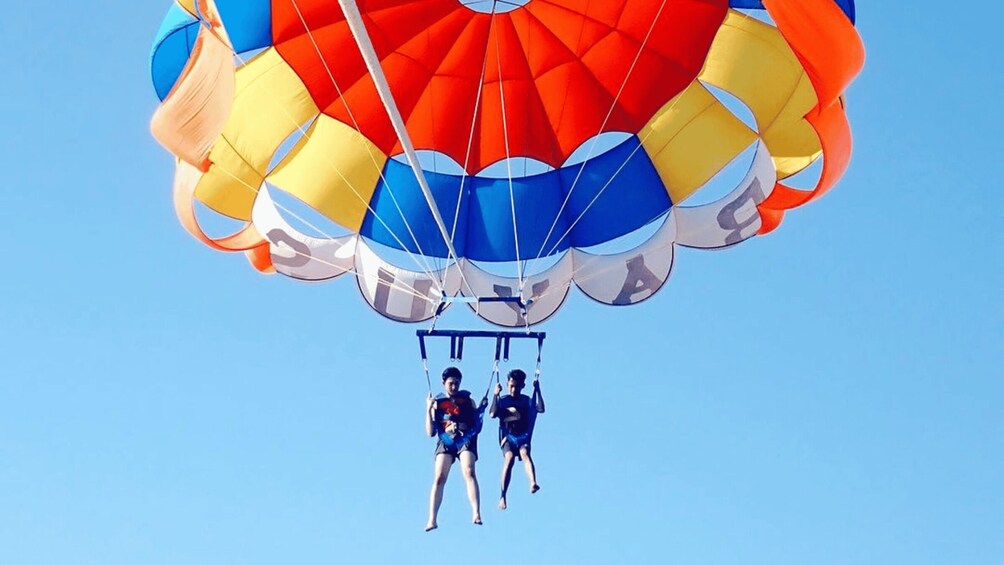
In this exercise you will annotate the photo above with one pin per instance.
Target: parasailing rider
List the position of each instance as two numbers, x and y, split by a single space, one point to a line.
517 414
456 419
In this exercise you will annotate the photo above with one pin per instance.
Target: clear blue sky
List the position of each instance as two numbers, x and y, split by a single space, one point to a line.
161 404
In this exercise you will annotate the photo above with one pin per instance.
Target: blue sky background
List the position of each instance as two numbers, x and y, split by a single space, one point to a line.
830 394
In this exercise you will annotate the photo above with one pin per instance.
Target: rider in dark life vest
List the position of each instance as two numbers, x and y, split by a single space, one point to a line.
455 419
517 414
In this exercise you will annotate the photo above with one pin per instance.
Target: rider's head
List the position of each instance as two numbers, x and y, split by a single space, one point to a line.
516 381
451 380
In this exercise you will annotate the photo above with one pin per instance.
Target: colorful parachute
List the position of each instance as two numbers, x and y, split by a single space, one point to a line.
470 134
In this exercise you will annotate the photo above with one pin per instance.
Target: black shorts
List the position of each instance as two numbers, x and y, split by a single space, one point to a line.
514 447
455 451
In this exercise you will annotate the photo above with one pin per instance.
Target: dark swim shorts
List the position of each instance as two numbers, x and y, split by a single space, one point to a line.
513 445
455 451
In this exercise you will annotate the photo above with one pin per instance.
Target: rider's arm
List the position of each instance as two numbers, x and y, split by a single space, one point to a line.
430 417
493 411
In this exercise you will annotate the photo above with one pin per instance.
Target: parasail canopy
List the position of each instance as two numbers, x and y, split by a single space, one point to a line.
469 135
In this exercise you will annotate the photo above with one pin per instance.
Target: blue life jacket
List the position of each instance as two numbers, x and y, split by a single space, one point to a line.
517 431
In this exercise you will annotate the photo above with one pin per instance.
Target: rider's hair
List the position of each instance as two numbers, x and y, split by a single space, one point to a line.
452 372
518 375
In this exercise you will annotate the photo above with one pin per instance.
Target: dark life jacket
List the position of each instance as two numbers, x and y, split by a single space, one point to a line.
462 411
517 416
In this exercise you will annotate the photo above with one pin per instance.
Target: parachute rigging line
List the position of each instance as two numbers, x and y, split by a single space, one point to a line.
467 162
508 160
592 147
361 35
299 127
603 189
348 183
598 194
427 269
400 286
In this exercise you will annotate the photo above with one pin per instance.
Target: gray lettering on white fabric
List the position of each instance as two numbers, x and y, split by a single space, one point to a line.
385 280
728 218
639 279
536 290
279 239
420 307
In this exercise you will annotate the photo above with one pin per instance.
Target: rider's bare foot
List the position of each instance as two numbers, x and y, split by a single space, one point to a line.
430 527
534 488
502 505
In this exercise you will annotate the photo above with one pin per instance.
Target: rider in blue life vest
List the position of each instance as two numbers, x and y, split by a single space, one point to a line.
456 420
517 414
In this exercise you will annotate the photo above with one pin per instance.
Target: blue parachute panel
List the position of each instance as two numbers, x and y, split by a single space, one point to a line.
248 23
537 199
617 193
172 48
399 183
846 5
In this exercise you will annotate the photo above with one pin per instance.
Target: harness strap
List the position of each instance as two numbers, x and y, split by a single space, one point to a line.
421 345
540 352
428 379
425 363
494 378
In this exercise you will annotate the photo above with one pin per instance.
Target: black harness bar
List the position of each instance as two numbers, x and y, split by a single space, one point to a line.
502 340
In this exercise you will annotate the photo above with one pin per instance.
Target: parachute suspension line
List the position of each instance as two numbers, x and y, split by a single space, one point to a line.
425 363
299 127
494 378
467 162
601 272
592 146
398 285
540 351
526 314
427 269
600 193
428 379
597 197
298 217
361 35
605 186
508 160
